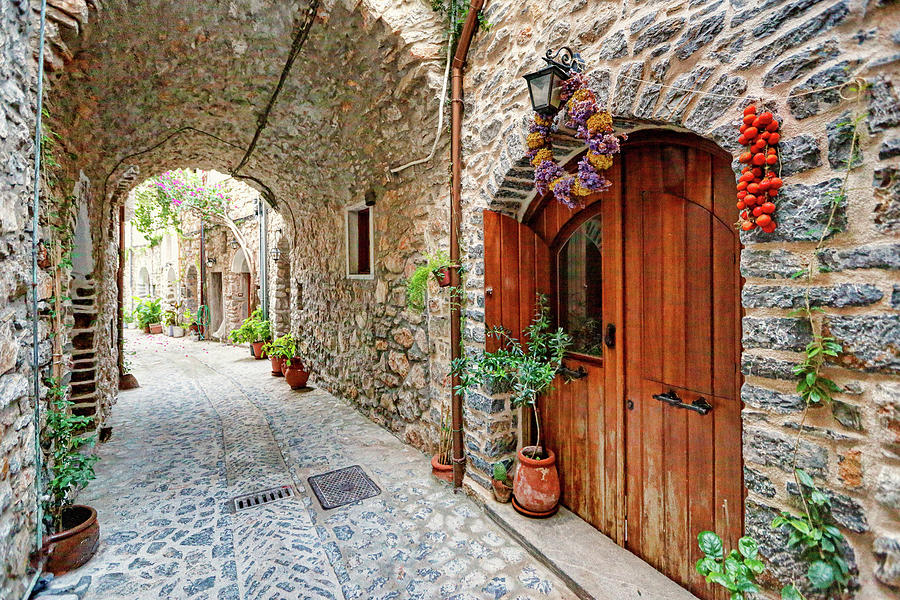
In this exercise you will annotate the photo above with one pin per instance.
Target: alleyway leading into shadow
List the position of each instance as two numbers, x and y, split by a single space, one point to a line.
209 423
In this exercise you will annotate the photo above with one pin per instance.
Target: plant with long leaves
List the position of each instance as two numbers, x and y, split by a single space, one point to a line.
527 366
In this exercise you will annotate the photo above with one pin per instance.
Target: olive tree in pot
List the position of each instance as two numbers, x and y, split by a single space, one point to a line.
528 369
75 532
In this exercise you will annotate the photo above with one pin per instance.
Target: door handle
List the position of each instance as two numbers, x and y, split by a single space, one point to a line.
569 374
699 405
610 338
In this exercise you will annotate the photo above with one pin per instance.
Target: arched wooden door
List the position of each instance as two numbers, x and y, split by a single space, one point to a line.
646 426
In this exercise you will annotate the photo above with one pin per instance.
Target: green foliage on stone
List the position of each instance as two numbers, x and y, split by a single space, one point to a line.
736 570
817 539
418 281
69 468
528 368
456 12
285 347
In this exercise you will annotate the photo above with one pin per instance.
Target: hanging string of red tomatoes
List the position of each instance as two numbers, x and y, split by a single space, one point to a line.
758 185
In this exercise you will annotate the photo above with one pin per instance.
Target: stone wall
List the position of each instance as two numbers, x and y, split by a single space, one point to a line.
762 52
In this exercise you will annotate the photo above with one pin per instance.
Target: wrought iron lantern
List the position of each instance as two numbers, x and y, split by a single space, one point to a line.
234 243
544 85
210 262
276 251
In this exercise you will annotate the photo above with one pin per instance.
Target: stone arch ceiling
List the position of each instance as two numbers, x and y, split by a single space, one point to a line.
361 97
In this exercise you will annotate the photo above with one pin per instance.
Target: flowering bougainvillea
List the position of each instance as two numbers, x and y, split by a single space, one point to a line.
591 124
758 184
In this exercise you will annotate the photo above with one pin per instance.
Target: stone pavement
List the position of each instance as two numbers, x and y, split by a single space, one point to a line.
209 423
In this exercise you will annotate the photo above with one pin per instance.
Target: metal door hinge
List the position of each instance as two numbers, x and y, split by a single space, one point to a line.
626 529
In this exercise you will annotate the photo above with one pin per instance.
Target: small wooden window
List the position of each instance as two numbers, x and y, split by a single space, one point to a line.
360 242
580 289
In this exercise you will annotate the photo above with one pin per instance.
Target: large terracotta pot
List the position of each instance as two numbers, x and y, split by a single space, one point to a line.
536 485
257 350
296 374
75 545
443 472
155 328
276 366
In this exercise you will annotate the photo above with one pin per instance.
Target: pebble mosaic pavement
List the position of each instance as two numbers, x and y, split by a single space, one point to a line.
210 423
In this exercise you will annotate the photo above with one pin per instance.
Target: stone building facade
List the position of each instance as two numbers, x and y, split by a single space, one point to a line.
363 97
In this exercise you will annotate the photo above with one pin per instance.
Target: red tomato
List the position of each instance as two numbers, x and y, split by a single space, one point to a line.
749 119
742 185
742 128
742 194
772 193
751 132
774 138
741 206
776 182
773 126
762 219
750 110
771 159
753 188
768 208
745 157
759 159
766 118
757 211
742 140
769 228
747 225
750 199
757 172
764 185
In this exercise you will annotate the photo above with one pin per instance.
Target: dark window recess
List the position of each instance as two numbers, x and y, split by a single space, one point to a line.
580 293
362 228
359 241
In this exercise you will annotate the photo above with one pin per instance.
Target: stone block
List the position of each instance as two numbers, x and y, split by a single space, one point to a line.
758 483
776 333
699 35
678 98
871 256
485 404
846 414
801 63
769 264
614 46
840 137
846 511
887 487
886 397
809 29
798 154
803 212
886 181
710 108
889 149
841 295
870 342
771 448
766 366
658 34
811 104
626 88
887 552
770 400
884 106
651 92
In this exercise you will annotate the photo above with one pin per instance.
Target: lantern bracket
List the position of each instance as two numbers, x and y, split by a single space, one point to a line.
565 59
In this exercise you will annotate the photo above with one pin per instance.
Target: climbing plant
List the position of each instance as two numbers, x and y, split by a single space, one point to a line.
812 533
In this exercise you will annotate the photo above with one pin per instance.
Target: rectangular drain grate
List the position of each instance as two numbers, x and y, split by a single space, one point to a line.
343 486
264 497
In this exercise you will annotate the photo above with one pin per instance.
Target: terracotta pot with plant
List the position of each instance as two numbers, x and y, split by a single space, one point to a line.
528 369
501 484
254 331
441 465
75 529
437 265
286 351
147 314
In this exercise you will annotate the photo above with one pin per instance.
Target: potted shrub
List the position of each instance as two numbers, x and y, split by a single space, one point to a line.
285 349
75 531
441 465
528 370
169 317
501 483
271 350
255 331
147 314
437 265
262 332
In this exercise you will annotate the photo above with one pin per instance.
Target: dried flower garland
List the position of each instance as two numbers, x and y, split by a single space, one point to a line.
758 185
594 126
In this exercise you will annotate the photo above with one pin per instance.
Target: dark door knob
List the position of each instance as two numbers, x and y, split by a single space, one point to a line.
610 338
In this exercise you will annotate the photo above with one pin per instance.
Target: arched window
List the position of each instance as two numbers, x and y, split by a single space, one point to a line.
580 287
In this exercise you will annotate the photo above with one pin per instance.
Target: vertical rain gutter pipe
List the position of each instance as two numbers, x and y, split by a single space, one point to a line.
456 115
35 351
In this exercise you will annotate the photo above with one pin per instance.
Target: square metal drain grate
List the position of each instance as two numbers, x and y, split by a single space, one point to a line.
343 486
263 497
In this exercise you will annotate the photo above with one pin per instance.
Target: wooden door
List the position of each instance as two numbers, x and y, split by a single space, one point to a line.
682 323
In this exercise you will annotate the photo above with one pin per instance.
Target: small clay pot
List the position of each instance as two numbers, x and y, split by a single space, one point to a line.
75 545
128 382
536 485
276 366
443 472
296 374
146 329
502 491
443 276
256 350
156 328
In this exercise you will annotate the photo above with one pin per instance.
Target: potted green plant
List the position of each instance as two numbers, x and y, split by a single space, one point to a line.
75 531
437 265
262 332
285 350
441 465
528 369
255 331
501 484
147 314
169 317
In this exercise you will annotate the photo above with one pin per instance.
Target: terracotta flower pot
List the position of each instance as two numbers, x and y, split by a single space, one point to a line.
296 374
256 348
276 366
156 328
146 329
443 472
443 276
536 485
502 491
75 545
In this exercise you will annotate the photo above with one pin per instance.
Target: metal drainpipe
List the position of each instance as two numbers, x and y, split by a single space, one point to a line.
120 282
456 91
